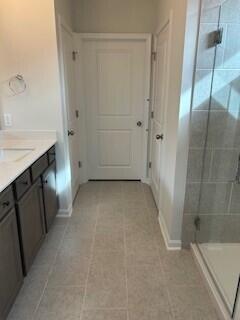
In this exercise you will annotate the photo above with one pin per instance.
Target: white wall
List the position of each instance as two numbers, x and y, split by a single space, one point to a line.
29 47
182 44
115 15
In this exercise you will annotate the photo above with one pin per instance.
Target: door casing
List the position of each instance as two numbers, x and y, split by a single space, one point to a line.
67 184
165 28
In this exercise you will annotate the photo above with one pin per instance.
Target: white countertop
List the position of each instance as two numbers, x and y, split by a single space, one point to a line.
40 142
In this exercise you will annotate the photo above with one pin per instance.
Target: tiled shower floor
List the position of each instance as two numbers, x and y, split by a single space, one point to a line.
108 262
224 263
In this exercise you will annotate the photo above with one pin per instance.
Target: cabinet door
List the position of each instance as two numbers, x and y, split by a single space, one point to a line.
31 218
50 196
11 275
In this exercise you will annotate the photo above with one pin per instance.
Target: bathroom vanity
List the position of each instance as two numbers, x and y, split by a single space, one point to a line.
28 206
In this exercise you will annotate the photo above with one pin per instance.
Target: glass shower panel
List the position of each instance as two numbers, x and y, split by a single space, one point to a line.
218 204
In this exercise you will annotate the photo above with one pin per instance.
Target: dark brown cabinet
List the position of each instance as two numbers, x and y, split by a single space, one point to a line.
27 209
49 194
31 222
11 276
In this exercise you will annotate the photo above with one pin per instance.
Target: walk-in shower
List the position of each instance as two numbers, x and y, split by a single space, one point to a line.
212 204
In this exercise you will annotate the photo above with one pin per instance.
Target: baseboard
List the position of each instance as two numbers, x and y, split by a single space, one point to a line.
65 213
216 297
146 180
170 244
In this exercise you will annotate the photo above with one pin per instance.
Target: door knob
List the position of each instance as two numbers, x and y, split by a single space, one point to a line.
159 136
71 133
139 123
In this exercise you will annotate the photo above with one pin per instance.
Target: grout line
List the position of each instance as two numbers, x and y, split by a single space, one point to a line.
209 178
125 259
50 272
160 262
90 262
230 199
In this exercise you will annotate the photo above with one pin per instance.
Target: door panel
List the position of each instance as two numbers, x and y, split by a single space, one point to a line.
11 275
159 112
115 82
31 218
70 101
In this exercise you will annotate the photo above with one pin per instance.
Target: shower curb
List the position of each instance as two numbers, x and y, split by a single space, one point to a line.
210 285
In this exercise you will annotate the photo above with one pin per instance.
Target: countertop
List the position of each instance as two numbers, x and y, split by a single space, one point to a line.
40 142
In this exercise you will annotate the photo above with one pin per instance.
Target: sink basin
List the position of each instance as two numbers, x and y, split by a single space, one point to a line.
13 155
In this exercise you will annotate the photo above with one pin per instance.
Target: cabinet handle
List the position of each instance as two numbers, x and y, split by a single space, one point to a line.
45 181
25 183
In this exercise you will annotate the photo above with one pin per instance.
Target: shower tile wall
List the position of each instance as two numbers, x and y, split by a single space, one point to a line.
219 208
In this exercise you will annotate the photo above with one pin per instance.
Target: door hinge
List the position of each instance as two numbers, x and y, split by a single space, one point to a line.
150 165
152 114
154 55
197 223
77 113
218 36
74 55
79 164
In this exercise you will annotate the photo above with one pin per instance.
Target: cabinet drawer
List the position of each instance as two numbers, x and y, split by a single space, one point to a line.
39 167
31 221
22 184
51 154
6 201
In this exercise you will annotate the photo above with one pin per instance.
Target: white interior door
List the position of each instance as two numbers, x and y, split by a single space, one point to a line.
116 81
70 102
160 83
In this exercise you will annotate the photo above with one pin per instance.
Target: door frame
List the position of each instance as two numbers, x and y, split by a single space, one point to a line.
80 37
161 28
69 192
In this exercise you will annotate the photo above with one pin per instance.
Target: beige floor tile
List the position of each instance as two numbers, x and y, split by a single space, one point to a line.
86 213
69 272
110 199
109 242
46 256
180 269
109 235
62 300
191 302
90 187
146 313
44 315
112 216
38 275
104 315
150 256
114 241
54 237
132 187
27 301
111 187
85 201
76 247
139 241
80 231
106 287
146 287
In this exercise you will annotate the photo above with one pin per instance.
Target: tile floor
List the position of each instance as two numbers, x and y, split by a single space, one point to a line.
108 262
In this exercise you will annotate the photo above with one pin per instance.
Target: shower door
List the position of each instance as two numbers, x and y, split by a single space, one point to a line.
216 130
